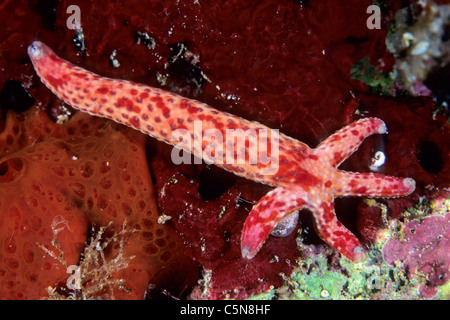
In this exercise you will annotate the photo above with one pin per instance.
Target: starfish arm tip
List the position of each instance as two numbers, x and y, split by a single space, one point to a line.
410 183
36 50
359 254
247 253
382 129
251 241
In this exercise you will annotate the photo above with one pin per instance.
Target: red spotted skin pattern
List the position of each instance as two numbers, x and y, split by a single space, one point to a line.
305 178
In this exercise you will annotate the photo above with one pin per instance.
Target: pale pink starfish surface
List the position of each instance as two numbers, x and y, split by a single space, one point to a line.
304 177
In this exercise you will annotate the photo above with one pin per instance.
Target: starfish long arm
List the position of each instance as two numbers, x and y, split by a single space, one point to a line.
335 234
372 185
340 145
158 113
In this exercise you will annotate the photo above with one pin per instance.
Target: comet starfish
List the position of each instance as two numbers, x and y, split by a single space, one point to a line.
303 178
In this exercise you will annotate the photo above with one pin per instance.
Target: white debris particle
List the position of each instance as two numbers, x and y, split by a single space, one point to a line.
377 161
163 218
324 293
113 59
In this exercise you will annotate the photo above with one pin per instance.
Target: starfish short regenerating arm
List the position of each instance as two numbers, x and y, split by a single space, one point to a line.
305 178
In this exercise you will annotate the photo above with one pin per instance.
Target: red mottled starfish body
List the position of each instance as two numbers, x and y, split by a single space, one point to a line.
305 178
